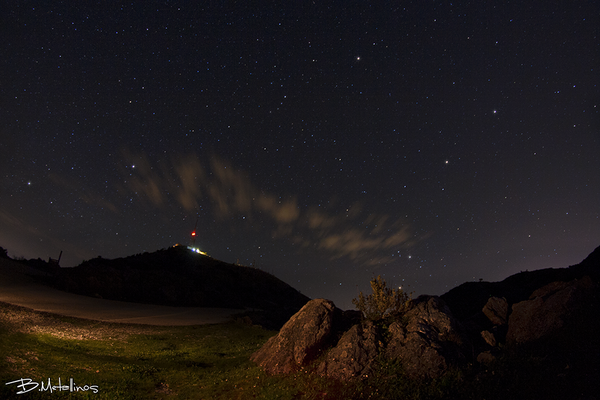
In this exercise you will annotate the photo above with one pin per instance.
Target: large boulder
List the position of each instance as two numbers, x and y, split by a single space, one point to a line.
300 340
355 354
428 341
548 311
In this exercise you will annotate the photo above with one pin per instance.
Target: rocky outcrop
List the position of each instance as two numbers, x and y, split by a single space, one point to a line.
300 340
355 354
429 341
547 311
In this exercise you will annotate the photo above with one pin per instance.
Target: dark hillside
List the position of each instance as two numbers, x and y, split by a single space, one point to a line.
177 276
467 300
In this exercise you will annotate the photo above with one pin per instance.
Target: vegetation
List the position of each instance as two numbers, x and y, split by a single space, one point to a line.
384 302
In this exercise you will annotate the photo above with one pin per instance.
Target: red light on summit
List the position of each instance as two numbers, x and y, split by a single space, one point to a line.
194 233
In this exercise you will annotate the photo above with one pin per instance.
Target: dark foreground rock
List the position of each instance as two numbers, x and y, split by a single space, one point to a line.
355 354
300 340
430 340
548 310
496 309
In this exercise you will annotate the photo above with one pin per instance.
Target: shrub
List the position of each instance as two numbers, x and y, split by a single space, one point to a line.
384 302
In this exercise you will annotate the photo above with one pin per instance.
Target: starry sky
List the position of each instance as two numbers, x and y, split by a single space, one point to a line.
430 142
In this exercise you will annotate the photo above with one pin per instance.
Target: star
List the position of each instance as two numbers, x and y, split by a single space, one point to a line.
283 145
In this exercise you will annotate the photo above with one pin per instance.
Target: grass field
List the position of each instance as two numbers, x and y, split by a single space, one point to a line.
128 361
124 361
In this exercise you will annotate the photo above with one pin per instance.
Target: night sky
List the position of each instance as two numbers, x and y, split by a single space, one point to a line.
431 142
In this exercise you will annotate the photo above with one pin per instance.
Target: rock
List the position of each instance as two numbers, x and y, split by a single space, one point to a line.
354 355
496 309
300 340
547 310
489 338
429 342
486 358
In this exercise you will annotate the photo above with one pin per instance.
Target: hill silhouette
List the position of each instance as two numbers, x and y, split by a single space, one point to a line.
177 276
467 300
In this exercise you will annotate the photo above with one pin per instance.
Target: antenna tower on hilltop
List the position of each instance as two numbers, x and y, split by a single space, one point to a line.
194 233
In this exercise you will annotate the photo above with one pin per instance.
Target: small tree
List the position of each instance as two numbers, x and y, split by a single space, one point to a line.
383 302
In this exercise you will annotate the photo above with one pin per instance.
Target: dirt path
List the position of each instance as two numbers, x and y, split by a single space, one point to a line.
19 287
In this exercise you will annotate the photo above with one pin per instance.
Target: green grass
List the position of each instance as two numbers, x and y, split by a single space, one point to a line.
210 361
213 362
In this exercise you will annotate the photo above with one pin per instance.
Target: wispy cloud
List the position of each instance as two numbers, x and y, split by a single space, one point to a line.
346 235
190 175
350 232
